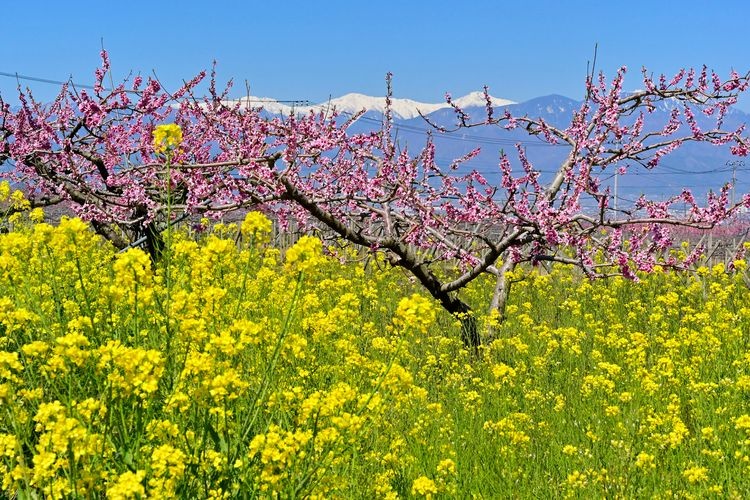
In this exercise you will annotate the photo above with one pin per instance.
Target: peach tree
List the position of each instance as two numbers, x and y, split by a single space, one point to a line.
446 225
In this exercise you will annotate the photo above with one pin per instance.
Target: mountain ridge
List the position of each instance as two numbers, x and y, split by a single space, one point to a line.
353 102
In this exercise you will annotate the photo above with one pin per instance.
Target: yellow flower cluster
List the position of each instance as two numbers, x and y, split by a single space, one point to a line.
424 486
219 373
128 485
167 137
305 255
256 226
15 208
130 370
415 312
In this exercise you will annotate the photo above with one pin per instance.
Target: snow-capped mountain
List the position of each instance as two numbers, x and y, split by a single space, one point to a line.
403 109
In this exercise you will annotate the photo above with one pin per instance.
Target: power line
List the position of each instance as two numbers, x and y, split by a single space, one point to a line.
293 102
463 137
44 80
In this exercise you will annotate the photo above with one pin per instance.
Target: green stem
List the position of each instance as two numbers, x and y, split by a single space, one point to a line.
254 409
245 272
86 298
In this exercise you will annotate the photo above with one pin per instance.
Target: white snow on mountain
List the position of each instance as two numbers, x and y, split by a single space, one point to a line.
353 103
476 99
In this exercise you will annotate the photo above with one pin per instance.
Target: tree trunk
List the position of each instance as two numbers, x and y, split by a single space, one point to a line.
501 294
469 332
107 232
154 241
502 289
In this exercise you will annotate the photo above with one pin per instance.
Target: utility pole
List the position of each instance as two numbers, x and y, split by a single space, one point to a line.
617 176
734 164
616 143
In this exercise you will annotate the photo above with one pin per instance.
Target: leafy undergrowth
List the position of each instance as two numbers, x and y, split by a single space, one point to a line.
229 370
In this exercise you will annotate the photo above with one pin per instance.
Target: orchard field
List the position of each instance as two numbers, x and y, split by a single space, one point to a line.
232 369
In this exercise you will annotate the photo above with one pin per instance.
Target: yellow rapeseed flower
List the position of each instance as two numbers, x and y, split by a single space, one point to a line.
742 422
8 445
424 486
18 200
168 467
306 254
416 312
695 474
4 190
577 479
446 467
569 449
645 461
128 485
167 137
37 215
8 364
256 225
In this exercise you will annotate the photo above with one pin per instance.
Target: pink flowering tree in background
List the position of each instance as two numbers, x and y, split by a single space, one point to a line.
443 224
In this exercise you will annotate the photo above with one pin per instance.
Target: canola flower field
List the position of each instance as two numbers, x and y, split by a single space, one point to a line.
231 370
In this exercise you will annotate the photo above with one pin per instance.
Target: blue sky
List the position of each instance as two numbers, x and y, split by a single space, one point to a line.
313 50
